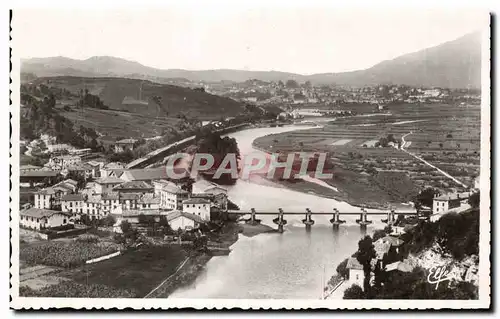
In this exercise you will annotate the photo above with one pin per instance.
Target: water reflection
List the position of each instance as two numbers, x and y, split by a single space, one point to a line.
292 265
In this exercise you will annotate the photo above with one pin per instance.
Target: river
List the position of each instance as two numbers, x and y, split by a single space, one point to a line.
292 265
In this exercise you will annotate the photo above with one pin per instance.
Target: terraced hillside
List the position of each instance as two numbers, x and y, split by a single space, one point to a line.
149 98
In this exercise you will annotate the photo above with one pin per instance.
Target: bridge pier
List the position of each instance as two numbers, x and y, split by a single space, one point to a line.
336 221
252 220
363 221
308 220
280 221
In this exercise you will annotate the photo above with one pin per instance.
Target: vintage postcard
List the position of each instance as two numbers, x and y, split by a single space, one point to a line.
254 156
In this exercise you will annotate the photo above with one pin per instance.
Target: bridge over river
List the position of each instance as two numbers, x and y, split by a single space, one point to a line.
336 221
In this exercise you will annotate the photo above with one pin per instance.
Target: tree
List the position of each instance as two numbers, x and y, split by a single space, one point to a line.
474 200
366 252
125 226
79 178
354 292
379 233
342 269
426 197
109 221
163 223
85 220
292 84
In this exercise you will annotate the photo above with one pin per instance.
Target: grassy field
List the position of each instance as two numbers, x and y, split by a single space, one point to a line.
446 136
138 271
120 94
118 123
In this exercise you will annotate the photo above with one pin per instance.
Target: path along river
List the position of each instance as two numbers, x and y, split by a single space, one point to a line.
292 265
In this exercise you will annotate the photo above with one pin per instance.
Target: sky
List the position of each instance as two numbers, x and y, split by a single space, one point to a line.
299 39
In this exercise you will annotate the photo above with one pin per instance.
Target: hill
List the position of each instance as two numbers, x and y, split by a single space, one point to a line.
454 64
147 98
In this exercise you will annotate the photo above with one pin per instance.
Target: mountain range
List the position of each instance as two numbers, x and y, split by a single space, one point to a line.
454 64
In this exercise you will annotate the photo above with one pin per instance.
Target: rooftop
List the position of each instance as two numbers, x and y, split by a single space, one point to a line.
353 263
448 197
134 185
109 180
148 174
399 265
126 141
73 197
196 201
171 187
149 199
145 212
130 196
393 241
23 167
40 173
40 213
177 214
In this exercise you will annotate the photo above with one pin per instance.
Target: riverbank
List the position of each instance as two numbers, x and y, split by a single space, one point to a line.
351 183
192 266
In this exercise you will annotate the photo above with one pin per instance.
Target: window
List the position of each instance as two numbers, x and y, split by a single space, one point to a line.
357 277
64 221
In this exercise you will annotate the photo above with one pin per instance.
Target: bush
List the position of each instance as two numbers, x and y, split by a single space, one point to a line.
342 269
354 292
70 289
92 239
63 254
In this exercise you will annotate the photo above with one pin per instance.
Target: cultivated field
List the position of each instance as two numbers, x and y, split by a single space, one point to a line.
446 136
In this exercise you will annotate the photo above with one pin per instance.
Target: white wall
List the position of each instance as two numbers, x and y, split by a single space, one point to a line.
201 210
356 277
182 223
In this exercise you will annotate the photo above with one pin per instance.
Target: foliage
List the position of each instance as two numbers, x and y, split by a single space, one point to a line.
425 197
109 221
125 226
366 252
458 234
70 289
342 269
78 177
90 100
414 285
379 233
41 117
93 239
474 200
218 147
292 84
63 254
354 292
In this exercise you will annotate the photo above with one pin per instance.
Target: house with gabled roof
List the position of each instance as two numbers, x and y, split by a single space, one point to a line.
37 218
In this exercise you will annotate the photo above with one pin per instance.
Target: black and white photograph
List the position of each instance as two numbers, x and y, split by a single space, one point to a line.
250 156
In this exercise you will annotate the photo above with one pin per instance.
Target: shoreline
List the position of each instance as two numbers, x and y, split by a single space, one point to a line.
194 265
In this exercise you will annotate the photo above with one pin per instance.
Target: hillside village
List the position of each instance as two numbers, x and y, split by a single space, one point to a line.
109 192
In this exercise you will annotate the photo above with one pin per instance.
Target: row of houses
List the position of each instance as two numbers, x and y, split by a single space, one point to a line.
136 192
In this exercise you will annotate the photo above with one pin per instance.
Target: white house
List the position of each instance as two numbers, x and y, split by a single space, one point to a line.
73 203
110 204
444 203
197 206
171 196
37 218
92 207
148 201
184 221
44 198
111 169
356 273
